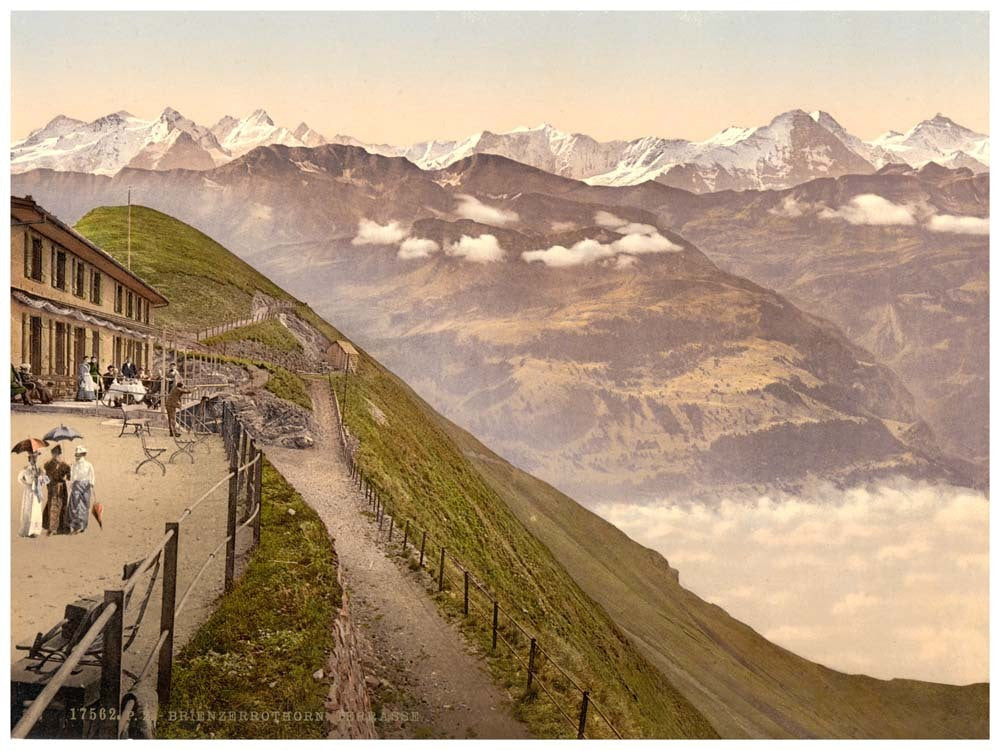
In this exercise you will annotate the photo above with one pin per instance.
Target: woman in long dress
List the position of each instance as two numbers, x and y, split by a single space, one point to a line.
33 480
81 478
86 388
54 520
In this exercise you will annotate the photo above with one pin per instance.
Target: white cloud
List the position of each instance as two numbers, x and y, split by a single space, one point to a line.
959 224
872 209
470 208
417 247
482 249
373 233
563 226
588 250
640 244
908 599
609 220
791 208
557 256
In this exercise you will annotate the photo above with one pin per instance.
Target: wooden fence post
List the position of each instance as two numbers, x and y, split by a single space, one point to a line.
168 599
423 543
111 666
581 730
441 572
259 482
465 607
231 524
392 520
496 621
406 534
531 662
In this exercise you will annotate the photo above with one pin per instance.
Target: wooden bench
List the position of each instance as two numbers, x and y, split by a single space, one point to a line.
129 418
152 454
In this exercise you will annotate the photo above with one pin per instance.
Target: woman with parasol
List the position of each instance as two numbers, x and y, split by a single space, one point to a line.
55 520
32 479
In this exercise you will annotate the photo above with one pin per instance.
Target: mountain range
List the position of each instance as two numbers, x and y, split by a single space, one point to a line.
792 148
608 338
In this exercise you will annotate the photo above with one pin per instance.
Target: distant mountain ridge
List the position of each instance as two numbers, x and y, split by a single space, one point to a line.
794 147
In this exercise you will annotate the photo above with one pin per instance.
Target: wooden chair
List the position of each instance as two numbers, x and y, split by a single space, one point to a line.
138 424
152 454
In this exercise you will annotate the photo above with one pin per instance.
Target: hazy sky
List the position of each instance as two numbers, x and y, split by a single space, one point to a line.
405 77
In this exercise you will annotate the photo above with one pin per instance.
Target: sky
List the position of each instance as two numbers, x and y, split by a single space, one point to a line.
405 77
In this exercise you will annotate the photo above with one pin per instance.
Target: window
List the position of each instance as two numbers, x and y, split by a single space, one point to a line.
95 345
33 258
79 279
60 271
145 313
119 294
129 305
95 287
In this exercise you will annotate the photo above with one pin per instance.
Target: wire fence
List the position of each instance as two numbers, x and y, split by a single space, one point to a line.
448 572
106 638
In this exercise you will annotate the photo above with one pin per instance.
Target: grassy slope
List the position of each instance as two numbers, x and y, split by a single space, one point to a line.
204 282
744 684
270 333
259 649
432 482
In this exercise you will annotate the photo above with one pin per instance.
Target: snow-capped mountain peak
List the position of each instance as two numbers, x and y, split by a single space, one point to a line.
793 147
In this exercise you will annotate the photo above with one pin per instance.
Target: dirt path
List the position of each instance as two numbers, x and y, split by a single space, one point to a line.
427 680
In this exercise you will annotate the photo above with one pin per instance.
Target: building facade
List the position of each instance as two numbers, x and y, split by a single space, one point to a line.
70 299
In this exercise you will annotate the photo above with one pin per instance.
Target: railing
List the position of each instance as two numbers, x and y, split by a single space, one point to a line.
269 314
114 709
517 636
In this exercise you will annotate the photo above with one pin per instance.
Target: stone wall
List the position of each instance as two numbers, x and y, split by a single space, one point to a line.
348 708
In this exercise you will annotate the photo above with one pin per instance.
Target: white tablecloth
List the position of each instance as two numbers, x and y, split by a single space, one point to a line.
127 390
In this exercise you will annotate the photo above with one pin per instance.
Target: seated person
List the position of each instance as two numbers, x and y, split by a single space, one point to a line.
33 387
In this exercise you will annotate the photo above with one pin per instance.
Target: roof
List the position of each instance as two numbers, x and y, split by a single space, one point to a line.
48 224
347 346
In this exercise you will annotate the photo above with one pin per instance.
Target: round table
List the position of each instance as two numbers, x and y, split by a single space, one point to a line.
129 391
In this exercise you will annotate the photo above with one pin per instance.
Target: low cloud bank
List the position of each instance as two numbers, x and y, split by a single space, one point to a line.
869 209
471 208
890 581
373 233
417 247
637 239
873 210
959 224
482 249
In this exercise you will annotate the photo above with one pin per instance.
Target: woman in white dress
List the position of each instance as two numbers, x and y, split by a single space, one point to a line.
33 480
86 388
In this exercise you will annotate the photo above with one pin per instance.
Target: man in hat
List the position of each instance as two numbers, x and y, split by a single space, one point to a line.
81 479
55 520
173 402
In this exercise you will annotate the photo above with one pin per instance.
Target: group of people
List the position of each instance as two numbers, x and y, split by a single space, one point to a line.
67 492
25 386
